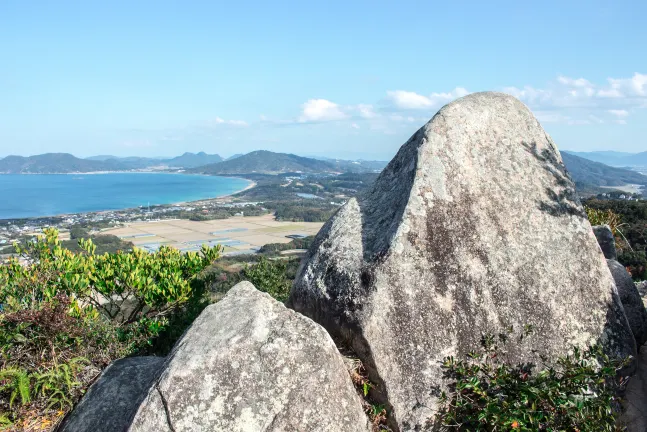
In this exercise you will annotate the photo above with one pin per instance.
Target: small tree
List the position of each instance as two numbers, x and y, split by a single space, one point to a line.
270 277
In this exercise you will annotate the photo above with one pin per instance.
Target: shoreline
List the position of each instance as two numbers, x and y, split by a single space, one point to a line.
251 184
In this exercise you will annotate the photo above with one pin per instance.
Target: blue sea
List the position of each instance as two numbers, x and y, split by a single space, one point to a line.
35 195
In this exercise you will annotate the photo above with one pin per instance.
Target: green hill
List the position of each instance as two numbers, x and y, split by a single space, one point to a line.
587 172
192 160
266 162
49 163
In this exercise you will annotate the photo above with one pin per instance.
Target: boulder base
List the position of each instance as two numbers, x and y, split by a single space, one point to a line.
111 402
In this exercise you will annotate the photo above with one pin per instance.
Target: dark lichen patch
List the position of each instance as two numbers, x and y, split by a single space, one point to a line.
562 197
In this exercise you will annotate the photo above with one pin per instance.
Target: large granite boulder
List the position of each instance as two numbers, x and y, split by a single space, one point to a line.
606 240
111 402
250 364
474 226
631 300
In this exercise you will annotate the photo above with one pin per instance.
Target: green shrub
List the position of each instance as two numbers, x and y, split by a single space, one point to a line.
123 286
77 232
64 316
270 277
577 393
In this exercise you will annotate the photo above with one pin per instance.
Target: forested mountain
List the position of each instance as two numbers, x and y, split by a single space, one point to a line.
192 160
266 162
587 172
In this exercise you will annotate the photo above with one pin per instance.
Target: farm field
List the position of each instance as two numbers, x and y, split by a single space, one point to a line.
237 234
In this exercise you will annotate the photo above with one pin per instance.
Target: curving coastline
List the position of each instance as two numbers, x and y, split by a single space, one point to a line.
47 195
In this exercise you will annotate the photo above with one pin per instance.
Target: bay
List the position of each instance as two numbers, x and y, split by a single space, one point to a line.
37 195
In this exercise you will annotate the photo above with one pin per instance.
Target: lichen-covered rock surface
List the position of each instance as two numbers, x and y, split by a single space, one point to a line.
631 300
249 364
473 227
111 402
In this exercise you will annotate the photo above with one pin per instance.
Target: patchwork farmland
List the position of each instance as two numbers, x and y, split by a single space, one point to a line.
237 235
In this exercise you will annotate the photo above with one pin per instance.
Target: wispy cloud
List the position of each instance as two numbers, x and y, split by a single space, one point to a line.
575 101
220 121
580 101
619 112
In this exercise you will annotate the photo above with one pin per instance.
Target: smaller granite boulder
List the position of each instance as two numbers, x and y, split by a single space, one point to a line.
111 402
631 301
248 363
606 240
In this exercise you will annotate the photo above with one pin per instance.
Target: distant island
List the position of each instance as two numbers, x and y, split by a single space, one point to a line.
589 175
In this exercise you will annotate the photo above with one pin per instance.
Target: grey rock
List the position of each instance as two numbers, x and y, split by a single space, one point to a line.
250 364
642 290
631 301
474 226
634 402
606 240
111 402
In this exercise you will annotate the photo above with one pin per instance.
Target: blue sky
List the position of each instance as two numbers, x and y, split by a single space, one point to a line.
349 79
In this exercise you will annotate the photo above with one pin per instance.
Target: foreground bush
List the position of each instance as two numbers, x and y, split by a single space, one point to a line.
65 316
578 393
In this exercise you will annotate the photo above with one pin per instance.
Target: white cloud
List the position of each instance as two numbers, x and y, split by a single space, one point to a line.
408 100
635 86
221 121
579 82
320 110
366 111
618 112
355 126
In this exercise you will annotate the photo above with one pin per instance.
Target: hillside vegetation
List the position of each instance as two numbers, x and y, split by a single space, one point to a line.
266 162
586 172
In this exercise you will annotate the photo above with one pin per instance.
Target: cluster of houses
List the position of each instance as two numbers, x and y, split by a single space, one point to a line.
621 196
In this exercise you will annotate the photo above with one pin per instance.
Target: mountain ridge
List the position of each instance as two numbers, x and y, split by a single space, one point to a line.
588 172
613 158
267 162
